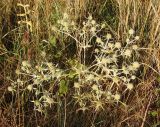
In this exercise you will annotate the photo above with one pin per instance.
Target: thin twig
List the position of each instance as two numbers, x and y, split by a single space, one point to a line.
145 114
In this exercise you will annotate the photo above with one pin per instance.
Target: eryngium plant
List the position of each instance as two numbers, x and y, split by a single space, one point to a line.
113 70
104 80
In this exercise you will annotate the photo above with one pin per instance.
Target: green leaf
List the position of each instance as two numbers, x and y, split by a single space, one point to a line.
154 113
158 79
72 74
2 58
52 40
63 88
58 55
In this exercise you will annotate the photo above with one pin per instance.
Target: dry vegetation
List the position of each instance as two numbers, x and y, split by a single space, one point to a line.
79 63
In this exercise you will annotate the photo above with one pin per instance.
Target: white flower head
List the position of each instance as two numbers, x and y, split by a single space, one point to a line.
29 87
136 65
135 47
90 77
130 86
98 40
131 31
110 45
124 79
118 45
130 67
49 64
93 29
90 17
103 26
104 60
133 77
65 24
36 102
10 89
108 36
25 64
77 85
127 40
49 100
18 80
95 87
117 97
96 50
116 80
126 72
43 54
17 71
128 53
93 22
108 97
137 37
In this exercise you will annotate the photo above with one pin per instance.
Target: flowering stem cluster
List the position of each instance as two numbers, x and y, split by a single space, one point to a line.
113 67
109 75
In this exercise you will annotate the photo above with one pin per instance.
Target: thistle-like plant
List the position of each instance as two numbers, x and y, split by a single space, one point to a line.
104 80
112 69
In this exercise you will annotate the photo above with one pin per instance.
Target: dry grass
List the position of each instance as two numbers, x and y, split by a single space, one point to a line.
140 107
